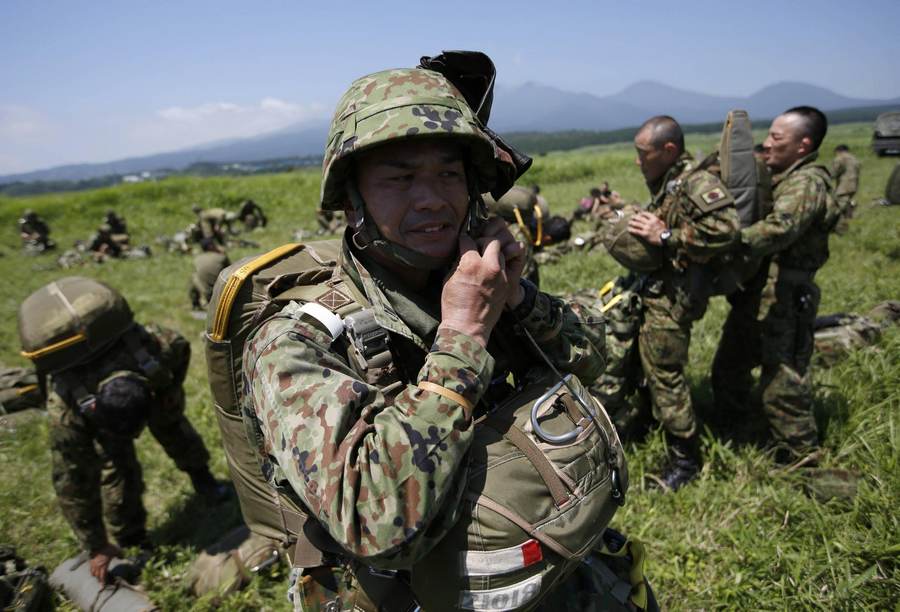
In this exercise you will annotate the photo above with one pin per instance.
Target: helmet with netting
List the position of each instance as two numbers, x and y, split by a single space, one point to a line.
404 104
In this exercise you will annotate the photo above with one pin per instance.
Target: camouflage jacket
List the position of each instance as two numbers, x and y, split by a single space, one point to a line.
76 464
845 174
383 471
698 210
796 231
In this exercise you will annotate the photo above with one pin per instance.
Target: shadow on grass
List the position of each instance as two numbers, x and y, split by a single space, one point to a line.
194 523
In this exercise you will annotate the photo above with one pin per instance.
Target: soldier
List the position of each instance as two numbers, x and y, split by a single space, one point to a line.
692 218
116 223
771 320
213 223
252 215
35 232
380 458
102 244
845 174
207 266
126 375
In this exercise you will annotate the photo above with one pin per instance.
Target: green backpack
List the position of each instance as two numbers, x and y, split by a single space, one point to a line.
553 440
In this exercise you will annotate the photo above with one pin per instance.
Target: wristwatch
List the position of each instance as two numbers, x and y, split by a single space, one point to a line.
664 237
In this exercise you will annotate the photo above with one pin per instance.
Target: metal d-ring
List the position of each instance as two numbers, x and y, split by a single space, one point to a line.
539 431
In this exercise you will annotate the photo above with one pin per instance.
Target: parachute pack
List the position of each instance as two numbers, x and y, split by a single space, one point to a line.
552 440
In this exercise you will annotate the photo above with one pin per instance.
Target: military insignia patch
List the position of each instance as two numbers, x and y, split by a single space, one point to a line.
713 195
333 299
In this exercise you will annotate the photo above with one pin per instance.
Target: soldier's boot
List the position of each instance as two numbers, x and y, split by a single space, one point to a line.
207 487
684 461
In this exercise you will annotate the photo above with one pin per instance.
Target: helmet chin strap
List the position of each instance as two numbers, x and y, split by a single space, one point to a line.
366 234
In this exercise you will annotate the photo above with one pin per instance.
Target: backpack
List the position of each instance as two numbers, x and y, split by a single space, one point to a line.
750 184
552 439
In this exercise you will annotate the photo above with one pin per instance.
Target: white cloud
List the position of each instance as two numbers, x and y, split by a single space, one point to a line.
20 122
180 126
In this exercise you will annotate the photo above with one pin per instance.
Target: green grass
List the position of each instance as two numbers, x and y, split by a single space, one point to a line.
744 536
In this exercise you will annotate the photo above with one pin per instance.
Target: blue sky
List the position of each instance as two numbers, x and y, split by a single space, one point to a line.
103 79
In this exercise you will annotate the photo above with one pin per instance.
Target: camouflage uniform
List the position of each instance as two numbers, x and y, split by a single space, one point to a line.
35 232
213 224
771 321
704 223
116 223
324 427
845 173
252 215
329 222
90 465
206 270
383 468
103 245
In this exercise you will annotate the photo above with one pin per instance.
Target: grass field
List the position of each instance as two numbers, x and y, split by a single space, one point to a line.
744 536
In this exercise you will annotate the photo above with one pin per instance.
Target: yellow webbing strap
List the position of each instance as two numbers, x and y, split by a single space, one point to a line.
616 299
539 216
521 222
607 288
635 572
26 389
236 281
56 346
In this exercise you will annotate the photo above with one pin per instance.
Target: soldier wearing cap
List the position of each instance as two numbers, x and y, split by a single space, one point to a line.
34 232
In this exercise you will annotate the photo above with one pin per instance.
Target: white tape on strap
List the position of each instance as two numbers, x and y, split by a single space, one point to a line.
501 561
504 598
331 321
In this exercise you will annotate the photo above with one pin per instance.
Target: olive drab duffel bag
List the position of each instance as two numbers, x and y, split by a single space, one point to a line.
71 321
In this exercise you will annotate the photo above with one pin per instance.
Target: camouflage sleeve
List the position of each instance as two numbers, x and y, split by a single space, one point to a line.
797 206
847 183
376 475
175 351
76 473
711 226
568 340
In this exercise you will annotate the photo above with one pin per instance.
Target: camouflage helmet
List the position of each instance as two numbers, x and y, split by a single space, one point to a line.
402 104
629 250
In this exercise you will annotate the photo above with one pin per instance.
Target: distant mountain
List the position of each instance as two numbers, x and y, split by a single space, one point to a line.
530 107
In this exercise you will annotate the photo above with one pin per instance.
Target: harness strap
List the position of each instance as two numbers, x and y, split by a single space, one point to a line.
533 531
539 218
538 459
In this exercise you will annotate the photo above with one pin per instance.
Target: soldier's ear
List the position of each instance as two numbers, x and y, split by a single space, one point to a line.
806 145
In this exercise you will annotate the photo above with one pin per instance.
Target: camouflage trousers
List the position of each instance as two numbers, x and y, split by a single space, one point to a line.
115 466
663 342
771 325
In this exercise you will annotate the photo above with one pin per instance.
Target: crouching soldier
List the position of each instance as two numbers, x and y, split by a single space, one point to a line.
108 376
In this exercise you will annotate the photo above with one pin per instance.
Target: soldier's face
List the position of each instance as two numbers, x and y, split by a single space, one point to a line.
786 143
415 191
654 162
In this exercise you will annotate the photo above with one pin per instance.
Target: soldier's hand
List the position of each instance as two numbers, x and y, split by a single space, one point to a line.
648 226
100 561
475 293
513 254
